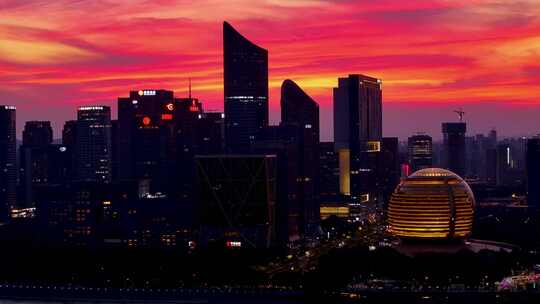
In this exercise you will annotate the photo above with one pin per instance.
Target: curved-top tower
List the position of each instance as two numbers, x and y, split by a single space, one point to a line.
297 107
245 81
431 203
300 117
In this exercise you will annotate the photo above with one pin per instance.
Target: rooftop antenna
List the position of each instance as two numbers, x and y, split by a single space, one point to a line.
460 113
189 79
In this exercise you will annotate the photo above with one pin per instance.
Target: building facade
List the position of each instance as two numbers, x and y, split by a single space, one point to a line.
454 154
34 159
8 158
237 197
420 148
147 139
357 132
93 144
245 72
300 113
533 172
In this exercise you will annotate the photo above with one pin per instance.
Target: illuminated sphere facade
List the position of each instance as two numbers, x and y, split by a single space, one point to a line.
431 203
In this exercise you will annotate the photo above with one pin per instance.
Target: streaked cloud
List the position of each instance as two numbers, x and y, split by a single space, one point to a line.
479 54
32 52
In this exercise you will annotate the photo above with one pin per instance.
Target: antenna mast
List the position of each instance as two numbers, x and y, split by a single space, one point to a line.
189 79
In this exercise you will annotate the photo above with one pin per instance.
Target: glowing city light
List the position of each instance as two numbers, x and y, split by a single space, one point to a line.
146 120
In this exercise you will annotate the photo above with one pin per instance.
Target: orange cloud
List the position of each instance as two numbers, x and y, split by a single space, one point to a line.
434 53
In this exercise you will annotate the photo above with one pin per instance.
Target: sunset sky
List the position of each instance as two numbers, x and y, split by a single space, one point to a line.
432 56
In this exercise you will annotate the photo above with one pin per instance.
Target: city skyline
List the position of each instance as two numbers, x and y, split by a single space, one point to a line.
289 151
484 63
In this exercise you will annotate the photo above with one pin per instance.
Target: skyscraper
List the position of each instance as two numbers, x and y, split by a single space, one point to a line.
357 131
329 170
34 158
490 156
187 116
147 137
245 71
301 113
210 129
533 172
37 133
454 156
237 199
388 167
492 139
69 138
420 148
8 169
93 144
69 133
474 146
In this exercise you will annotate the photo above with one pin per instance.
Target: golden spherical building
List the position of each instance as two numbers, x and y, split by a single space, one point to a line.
431 204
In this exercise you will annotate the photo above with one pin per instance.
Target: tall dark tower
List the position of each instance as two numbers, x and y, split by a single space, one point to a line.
146 138
69 138
37 133
93 144
69 133
34 158
454 157
245 72
8 169
357 131
301 113
533 172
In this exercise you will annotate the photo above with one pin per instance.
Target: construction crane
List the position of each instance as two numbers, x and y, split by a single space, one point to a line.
460 113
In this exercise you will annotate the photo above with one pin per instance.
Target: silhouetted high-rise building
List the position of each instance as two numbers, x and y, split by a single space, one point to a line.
60 164
504 163
34 158
301 113
454 156
357 131
245 71
389 170
281 141
329 170
533 172
476 161
237 199
69 133
93 144
210 128
8 158
147 138
489 157
492 139
507 172
491 166
37 133
69 138
420 148
114 150
188 115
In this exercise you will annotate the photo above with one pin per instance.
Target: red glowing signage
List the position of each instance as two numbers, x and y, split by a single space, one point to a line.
194 109
170 106
166 117
233 244
146 120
